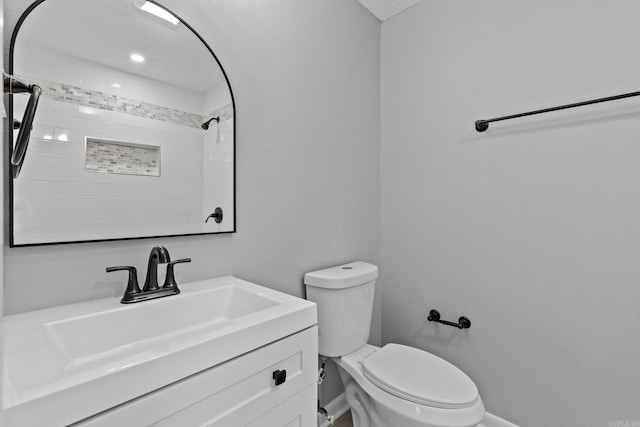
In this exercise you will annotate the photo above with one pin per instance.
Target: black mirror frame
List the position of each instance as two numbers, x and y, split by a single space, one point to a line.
9 167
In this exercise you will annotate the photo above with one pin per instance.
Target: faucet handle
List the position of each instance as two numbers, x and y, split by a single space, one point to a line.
132 283
170 280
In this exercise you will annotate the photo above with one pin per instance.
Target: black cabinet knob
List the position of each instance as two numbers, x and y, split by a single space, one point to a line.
280 376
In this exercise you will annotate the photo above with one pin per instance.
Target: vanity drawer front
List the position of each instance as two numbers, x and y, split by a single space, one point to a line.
231 394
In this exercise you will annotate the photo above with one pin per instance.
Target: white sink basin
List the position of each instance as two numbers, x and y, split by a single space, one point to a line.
74 361
116 333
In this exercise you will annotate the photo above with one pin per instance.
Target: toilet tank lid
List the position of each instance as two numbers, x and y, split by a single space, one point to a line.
342 276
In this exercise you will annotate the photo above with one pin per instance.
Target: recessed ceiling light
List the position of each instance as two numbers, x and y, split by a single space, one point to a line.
63 138
160 12
136 57
47 137
116 85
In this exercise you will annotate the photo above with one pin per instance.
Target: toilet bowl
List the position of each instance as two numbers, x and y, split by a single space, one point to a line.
392 386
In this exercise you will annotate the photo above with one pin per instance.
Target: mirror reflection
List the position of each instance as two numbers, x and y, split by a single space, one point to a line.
134 132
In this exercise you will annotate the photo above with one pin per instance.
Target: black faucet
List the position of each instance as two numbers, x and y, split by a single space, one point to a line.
151 290
158 255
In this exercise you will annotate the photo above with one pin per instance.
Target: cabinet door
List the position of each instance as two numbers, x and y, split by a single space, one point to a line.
299 411
232 394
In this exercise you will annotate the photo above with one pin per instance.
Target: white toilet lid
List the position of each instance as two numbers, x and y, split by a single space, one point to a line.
419 377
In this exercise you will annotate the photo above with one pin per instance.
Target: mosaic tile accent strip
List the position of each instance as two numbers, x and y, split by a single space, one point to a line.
121 158
105 101
225 113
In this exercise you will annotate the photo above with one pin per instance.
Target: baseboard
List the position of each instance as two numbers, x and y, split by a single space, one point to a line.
335 408
339 406
491 420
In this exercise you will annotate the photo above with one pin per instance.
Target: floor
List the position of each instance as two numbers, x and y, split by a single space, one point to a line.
344 420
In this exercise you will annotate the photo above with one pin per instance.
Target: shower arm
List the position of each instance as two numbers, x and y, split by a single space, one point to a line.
205 125
13 86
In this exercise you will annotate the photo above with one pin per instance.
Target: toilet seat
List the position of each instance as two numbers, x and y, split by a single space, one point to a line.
420 377
391 407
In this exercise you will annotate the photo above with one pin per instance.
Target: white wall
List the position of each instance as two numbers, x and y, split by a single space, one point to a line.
530 229
217 97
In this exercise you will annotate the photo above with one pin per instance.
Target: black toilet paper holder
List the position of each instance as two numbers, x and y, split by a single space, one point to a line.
463 322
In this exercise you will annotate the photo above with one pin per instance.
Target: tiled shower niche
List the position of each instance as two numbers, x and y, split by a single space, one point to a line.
125 158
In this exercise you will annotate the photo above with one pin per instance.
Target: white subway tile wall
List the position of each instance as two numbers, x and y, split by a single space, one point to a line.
55 199
218 171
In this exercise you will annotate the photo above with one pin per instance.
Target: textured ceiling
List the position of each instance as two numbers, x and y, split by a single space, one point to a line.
384 9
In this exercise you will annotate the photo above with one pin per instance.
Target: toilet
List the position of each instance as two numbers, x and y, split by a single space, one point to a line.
390 386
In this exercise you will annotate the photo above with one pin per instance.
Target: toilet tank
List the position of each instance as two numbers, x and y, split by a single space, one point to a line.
344 298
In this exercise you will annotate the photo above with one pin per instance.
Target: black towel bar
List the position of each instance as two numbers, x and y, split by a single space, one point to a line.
482 125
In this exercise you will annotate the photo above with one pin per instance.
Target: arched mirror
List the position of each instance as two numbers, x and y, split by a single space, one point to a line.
134 134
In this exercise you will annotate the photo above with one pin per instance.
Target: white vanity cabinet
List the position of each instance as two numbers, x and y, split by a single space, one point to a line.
239 392
212 364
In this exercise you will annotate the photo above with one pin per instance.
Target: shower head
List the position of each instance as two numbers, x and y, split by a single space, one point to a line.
205 125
